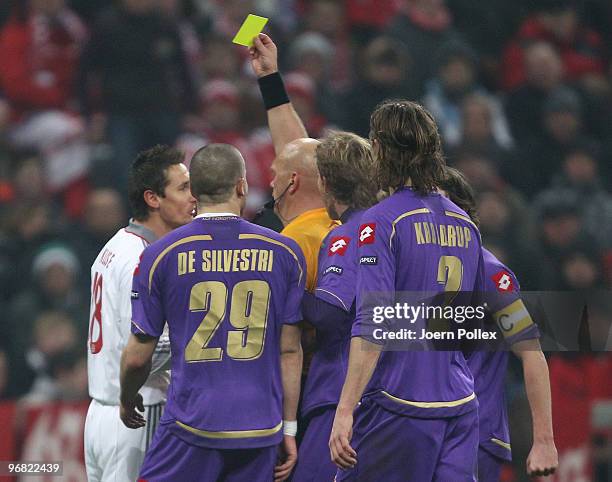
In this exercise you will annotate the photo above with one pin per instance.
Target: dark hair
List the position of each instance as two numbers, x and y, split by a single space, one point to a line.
214 171
345 161
459 191
149 172
409 146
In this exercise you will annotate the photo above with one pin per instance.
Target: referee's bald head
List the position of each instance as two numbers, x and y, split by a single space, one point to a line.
214 172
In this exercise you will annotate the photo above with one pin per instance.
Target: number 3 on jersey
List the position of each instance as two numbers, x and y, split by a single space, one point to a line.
248 314
95 345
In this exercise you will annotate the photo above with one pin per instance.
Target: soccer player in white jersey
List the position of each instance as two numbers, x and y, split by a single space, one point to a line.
161 200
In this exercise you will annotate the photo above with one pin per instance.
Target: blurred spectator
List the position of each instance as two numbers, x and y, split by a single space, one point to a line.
456 79
69 372
29 177
227 15
561 233
40 47
488 25
104 215
580 179
53 336
30 227
542 156
480 114
54 287
178 11
312 55
385 71
524 106
220 60
302 91
506 220
422 26
136 57
581 271
327 17
557 22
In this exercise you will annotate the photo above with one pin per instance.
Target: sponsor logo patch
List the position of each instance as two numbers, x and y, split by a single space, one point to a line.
367 233
503 281
368 260
333 269
338 245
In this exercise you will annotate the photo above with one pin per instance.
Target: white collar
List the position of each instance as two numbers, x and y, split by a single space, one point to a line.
215 215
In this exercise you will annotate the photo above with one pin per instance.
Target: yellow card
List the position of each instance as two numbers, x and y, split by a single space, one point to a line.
251 28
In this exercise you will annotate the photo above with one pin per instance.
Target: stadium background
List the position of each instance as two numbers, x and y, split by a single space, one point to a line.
522 92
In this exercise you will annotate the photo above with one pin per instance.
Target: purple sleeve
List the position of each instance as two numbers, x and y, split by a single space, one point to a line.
295 287
375 274
147 309
336 277
319 313
503 298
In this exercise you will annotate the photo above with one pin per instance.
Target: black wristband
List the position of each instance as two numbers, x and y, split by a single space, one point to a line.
273 90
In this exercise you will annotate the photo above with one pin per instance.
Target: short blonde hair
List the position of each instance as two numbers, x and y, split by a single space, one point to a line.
345 161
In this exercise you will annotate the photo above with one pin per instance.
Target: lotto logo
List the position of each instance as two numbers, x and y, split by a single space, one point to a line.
503 281
367 233
338 245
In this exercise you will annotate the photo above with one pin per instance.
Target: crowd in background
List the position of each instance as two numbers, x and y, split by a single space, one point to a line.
521 91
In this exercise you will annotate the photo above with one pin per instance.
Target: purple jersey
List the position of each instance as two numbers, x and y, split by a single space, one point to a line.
225 287
489 367
335 286
417 244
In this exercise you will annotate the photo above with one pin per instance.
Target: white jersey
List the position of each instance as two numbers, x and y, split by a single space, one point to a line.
110 319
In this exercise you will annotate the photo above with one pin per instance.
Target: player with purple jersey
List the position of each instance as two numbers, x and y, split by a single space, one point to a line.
418 418
230 292
488 365
344 161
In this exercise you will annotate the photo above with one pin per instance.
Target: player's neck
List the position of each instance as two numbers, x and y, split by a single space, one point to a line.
340 209
292 208
228 207
156 225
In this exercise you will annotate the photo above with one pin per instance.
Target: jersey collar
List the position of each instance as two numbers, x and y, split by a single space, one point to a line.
139 230
215 215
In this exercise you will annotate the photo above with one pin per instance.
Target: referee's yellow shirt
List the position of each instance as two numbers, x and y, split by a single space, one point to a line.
308 230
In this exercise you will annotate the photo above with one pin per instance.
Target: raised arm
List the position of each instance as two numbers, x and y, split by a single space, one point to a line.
543 458
284 123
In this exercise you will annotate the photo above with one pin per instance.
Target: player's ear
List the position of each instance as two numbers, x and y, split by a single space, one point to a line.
322 184
151 198
242 187
294 182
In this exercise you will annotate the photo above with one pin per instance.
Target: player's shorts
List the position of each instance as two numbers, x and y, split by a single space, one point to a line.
396 448
489 466
172 459
314 461
114 452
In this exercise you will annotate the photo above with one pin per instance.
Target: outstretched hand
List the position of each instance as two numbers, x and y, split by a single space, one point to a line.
264 56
